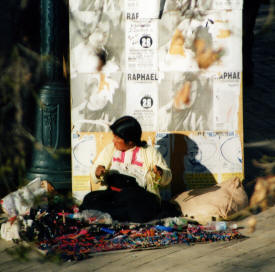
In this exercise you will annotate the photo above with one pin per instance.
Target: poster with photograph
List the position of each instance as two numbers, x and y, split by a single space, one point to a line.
186 102
96 37
97 101
184 5
209 40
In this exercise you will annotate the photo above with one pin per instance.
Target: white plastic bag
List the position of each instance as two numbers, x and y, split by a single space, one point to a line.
10 231
20 201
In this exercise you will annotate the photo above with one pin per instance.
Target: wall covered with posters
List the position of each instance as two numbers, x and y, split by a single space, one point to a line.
176 66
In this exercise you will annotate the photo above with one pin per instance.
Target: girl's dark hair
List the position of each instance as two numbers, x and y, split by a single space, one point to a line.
129 129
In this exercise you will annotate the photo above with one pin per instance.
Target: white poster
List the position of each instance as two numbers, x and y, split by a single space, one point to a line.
142 98
83 153
141 37
163 143
213 152
227 87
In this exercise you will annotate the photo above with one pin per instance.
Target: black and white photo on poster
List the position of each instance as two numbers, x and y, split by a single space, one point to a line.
96 39
207 40
185 102
97 100
185 5
143 9
90 5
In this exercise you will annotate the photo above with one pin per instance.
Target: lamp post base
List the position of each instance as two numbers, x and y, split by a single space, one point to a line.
51 157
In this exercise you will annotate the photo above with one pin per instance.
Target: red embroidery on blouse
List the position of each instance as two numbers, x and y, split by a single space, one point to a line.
121 159
134 157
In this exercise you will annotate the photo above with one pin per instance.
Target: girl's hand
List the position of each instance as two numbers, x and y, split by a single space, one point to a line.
100 170
158 171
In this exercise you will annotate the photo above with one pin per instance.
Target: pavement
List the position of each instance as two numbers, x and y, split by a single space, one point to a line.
253 254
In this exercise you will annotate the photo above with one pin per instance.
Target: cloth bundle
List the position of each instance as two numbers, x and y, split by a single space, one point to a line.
213 203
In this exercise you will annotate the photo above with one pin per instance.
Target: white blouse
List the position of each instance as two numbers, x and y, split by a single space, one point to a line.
130 163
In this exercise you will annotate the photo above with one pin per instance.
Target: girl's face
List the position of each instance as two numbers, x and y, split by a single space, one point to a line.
121 145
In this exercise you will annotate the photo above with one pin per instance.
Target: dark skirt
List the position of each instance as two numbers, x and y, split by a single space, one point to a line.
126 201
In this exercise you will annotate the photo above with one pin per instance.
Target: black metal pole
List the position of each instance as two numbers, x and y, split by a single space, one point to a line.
51 159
